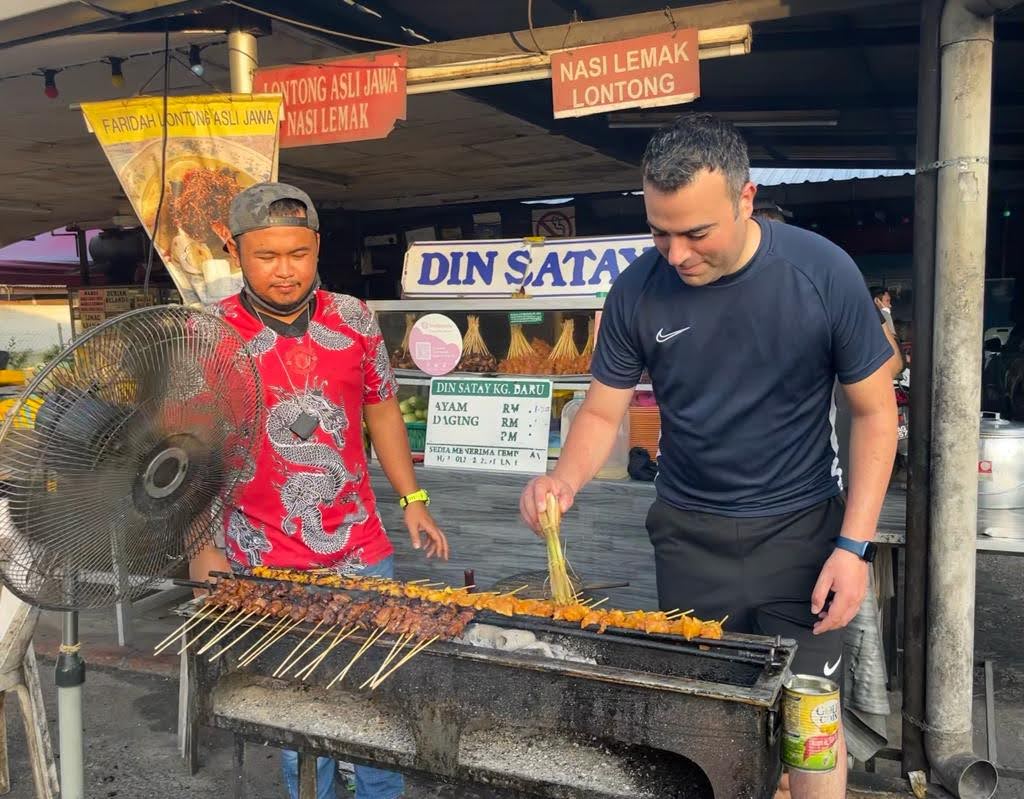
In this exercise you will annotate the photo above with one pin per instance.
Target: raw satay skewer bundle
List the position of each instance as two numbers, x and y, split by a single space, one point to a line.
476 357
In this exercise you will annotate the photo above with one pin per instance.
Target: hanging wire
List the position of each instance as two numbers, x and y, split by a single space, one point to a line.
533 35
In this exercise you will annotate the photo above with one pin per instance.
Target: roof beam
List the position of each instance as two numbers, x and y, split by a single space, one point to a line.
902 36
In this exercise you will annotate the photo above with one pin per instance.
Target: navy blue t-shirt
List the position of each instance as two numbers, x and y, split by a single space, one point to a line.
743 370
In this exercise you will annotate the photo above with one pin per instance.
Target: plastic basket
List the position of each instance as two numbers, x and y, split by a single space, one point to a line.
417 435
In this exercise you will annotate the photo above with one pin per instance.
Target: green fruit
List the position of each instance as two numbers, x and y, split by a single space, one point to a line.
418 402
406 406
421 414
409 417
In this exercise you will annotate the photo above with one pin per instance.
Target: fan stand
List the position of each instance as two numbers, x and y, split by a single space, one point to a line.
70 677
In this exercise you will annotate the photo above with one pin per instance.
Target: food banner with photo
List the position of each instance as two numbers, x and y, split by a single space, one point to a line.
216 145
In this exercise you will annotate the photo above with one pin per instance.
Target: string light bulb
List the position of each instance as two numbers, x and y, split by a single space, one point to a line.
195 60
50 84
116 71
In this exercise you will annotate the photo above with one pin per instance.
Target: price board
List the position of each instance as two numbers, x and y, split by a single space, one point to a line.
489 424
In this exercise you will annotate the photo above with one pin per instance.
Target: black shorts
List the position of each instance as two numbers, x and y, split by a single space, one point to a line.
760 572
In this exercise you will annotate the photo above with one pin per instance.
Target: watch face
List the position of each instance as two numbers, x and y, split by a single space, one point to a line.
869 553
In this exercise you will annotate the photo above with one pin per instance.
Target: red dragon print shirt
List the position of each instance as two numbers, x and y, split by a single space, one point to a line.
309 503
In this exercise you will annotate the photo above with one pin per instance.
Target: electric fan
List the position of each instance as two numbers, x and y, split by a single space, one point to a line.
115 465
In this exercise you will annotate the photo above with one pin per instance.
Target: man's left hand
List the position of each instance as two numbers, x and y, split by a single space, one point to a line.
421 523
846 576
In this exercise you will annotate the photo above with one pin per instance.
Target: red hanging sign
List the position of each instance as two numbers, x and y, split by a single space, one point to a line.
656 70
349 99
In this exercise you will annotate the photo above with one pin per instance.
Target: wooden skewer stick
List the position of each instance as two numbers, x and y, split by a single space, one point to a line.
254 626
366 645
277 637
267 634
298 646
191 621
413 652
599 602
205 629
417 582
241 617
677 614
306 673
520 588
291 655
402 641
309 649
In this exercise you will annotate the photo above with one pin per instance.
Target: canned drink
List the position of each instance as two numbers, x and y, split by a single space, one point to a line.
810 723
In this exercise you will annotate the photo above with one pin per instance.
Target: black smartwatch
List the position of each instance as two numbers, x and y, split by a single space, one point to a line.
865 550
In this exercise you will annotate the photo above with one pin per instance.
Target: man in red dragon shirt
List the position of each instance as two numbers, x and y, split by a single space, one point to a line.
306 501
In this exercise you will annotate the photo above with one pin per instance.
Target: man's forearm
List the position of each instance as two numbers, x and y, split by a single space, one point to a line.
391 443
590 442
872 450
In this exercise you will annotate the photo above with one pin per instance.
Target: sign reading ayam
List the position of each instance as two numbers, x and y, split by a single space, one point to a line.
650 71
349 99
503 267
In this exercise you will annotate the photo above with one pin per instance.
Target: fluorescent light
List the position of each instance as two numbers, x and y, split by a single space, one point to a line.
555 201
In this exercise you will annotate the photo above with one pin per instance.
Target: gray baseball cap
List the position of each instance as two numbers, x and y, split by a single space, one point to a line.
250 210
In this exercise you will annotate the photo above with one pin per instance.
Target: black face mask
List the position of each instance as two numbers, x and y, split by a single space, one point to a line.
276 308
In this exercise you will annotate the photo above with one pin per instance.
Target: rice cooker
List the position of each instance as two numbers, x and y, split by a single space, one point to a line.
1000 463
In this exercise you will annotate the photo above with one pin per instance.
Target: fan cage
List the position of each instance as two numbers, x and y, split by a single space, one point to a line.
118 459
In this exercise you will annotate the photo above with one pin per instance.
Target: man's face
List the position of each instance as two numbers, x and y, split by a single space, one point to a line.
698 229
279 263
884 300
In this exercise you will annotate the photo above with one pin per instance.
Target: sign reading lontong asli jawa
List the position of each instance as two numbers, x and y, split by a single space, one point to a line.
650 71
349 99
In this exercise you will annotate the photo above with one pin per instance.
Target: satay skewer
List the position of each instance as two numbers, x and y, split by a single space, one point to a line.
362 650
248 630
412 653
182 628
227 609
309 649
231 625
298 646
266 635
402 641
277 637
306 673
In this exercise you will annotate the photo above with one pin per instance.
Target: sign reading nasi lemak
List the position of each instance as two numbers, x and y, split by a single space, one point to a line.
499 268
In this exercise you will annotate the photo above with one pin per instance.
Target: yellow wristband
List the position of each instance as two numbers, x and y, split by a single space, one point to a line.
415 496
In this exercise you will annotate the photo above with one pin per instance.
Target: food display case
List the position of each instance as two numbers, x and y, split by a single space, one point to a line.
550 337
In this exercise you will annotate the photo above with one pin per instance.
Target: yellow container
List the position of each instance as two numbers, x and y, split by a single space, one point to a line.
810 723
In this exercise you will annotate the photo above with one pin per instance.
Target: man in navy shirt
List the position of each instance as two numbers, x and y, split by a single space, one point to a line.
744 327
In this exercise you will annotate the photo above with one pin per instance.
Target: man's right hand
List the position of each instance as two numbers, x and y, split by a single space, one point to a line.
535 497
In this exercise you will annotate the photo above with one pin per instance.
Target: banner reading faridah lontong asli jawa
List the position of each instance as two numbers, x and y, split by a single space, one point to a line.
217 145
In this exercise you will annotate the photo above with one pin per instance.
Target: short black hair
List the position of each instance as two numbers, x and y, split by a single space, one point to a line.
694 142
878 291
287 207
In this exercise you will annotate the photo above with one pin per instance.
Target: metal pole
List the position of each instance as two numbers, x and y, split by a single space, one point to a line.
242 59
919 463
966 42
70 677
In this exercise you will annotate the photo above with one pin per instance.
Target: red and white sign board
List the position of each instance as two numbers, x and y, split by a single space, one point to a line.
555 223
661 69
349 99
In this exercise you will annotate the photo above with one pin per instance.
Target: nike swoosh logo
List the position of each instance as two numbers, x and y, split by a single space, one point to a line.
662 336
830 668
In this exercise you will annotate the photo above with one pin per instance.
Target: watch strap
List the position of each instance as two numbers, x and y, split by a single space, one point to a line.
858 548
416 496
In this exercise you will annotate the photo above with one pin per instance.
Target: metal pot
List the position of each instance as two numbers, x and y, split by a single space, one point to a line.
1000 462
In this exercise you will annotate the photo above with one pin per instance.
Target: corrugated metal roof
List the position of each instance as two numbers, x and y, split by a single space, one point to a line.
780 177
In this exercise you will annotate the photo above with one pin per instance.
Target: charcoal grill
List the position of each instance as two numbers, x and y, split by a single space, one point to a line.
631 715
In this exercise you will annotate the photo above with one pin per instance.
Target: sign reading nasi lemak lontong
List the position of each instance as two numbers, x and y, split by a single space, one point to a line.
500 268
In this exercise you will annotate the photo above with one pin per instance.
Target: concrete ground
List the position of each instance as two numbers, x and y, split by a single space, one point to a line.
131 708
